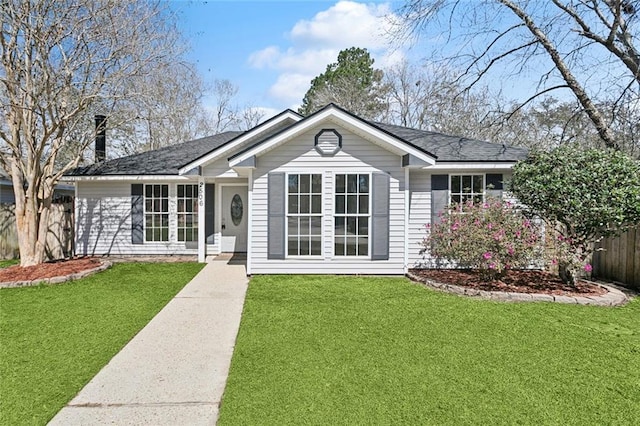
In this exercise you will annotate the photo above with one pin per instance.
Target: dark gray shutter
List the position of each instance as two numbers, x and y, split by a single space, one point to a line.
276 215
439 196
137 213
494 186
209 194
379 216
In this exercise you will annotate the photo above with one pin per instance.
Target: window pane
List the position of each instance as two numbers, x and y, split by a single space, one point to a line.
156 205
165 205
466 184
189 207
304 246
352 183
351 225
180 206
316 226
363 246
293 184
339 229
340 187
165 190
477 199
156 190
165 220
363 208
455 199
364 183
316 246
148 191
305 204
293 204
304 226
316 184
305 184
351 246
181 220
477 184
352 204
292 226
180 190
189 235
149 234
363 226
340 204
455 184
148 205
156 234
293 247
180 234
148 219
316 204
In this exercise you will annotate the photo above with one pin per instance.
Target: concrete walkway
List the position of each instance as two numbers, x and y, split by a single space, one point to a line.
173 372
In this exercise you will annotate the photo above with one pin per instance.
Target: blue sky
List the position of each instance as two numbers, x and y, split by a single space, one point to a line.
272 49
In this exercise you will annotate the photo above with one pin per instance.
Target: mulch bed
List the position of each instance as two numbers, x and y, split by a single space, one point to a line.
48 269
526 281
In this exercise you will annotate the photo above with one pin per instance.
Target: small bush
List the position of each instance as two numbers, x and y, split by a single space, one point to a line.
492 237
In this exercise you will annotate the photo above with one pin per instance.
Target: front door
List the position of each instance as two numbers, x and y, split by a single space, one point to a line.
233 219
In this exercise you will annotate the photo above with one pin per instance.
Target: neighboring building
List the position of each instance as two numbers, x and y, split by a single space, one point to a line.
61 192
329 193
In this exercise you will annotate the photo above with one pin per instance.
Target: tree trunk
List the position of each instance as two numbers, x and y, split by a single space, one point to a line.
32 218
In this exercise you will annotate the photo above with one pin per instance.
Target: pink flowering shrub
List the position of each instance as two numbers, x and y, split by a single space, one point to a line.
492 237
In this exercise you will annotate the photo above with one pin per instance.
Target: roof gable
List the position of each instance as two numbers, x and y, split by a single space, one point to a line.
260 132
335 115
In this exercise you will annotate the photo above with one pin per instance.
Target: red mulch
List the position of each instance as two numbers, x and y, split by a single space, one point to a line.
47 270
514 281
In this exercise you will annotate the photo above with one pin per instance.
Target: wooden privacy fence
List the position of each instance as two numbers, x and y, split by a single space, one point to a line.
59 238
620 259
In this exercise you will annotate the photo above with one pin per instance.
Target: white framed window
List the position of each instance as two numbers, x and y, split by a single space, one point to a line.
156 212
352 214
464 188
304 214
187 212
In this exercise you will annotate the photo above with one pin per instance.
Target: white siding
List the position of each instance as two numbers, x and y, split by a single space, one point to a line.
103 225
299 156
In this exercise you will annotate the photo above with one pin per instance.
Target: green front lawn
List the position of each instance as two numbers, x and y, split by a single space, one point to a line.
54 339
8 262
349 350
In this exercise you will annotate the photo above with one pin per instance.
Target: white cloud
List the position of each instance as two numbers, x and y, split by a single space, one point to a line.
316 42
290 88
345 24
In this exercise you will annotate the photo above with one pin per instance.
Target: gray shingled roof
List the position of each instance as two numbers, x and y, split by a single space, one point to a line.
455 148
168 160
163 161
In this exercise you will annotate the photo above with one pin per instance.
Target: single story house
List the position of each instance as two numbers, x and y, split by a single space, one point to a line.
327 193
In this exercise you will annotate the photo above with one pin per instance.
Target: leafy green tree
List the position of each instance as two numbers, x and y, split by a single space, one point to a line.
585 194
351 83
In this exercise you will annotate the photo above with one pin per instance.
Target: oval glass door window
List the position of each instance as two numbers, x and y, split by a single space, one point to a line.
236 209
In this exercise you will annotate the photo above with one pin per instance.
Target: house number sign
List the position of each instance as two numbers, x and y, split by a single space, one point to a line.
201 194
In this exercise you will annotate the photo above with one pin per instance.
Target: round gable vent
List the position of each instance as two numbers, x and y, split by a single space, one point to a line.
328 142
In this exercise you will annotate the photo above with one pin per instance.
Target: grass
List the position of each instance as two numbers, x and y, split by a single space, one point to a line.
8 262
350 350
56 338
